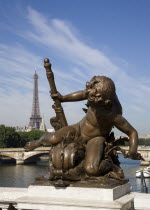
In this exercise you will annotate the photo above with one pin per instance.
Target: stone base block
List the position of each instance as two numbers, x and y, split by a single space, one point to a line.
124 203
85 193
141 201
75 198
10 194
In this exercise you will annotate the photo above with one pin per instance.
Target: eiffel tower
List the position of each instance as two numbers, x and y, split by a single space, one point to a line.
35 119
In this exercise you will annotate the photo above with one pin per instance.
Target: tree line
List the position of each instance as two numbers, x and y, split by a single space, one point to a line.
9 138
142 142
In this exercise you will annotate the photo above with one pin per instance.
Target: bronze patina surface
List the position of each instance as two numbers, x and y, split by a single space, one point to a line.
85 154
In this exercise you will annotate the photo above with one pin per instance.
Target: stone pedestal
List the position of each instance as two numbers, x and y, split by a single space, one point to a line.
75 198
141 201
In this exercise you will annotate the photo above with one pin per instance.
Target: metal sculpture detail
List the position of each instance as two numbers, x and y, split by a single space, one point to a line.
85 154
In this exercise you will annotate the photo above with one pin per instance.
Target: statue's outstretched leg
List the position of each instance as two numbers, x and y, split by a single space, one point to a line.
94 155
51 138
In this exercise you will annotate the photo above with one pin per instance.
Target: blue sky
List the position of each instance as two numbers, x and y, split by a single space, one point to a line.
82 39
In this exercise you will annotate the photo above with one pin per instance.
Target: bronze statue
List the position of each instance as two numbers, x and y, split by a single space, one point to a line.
87 149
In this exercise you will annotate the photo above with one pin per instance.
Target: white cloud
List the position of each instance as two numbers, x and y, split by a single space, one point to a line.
83 61
57 34
136 108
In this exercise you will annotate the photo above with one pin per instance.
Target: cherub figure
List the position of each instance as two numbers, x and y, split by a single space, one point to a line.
104 112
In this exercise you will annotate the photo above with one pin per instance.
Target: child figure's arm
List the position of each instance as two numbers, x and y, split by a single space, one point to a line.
123 125
76 96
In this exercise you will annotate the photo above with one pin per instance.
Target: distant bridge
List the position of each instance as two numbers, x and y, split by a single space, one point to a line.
145 152
21 156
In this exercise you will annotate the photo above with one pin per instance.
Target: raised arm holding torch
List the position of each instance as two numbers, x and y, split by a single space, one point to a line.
60 119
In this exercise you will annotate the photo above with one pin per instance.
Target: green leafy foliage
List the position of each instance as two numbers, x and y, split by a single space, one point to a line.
29 136
144 142
9 138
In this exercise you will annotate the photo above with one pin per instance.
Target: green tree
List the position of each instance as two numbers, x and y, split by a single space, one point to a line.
9 137
24 136
29 136
2 136
36 134
144 142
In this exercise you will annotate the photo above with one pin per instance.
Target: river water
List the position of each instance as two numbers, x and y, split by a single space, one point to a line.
23 175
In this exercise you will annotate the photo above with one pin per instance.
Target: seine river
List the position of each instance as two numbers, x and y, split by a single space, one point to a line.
23 175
